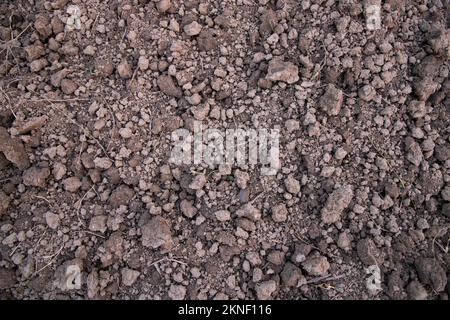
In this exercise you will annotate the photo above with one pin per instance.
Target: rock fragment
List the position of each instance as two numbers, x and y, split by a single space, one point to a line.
103 68
292 185
129 276
198 182
291 275
143 63
52 220
98 223
417 109
268 20
367 93
432 273
92 284
177 292
424 88
13 150
163 6
445 193
241 178
442 152
413 151
36 177
4 203
121 196
156 233
280 70
336 203
103 163
368 252
43 26
264 290
317 266
187 208
57 77
32 124
34 52
249 211
38 65
279 213
222 215
331 101
192 29
439 41
206 40
416 291
125 70
68 86
72 184
167 86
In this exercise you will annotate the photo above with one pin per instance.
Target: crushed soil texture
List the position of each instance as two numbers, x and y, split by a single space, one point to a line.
91 207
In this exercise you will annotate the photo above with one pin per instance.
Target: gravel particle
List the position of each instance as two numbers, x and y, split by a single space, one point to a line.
317 266
424 88
195 99
129 276
52 220
282 71
125 70
103 68
59 171
368 252
102 163
331 101
445 193
417 109
177 292
336 203
291 275
38 65
13 150
249 211
68 86
143 63
32 124
242 178
125 133
4 203
292 185
156 233
367 93
198 182
166 85
416 291
431 272
279 213
121 196
98 223
164 5
206 40
72 184
413 151
188 209
192 29
36 177
222 215
276 257
264 290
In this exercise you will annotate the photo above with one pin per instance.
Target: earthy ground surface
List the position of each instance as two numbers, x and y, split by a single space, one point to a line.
85 121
